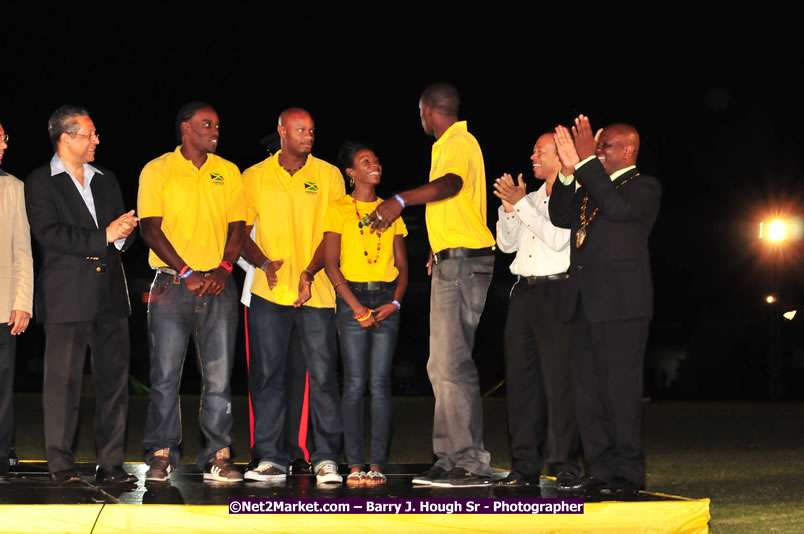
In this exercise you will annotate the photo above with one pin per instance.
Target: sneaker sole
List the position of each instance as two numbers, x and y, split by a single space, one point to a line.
253 475
422 481
215 478
461 484
329 479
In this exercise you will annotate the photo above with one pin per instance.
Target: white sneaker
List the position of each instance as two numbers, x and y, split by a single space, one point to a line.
328 474
266 471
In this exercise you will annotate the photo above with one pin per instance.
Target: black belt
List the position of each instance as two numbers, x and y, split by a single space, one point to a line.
533 280
462 252
372 286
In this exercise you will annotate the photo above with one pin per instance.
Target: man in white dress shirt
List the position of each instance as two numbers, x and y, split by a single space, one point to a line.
540 409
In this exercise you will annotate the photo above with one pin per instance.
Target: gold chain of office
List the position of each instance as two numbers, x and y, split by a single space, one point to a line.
580 235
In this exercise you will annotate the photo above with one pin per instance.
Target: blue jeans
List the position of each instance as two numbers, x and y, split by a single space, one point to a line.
378 345
270 326
174 313
457 298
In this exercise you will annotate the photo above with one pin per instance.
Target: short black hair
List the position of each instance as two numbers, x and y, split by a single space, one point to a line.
348 151
443 97
186 113
63 121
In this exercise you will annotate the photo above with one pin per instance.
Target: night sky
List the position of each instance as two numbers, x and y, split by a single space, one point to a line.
719 127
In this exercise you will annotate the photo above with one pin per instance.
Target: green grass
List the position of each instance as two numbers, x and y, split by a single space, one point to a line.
747 457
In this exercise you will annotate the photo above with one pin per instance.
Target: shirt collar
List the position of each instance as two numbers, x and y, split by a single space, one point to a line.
617 174
456 127
57 166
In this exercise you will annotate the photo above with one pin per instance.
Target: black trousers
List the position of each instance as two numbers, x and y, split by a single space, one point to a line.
65 352
607 370
537 371
7 354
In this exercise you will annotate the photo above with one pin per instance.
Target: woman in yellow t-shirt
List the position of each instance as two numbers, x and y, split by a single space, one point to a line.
369 272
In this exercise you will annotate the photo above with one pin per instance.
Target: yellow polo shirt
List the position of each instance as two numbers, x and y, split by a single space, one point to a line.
459 221
289 213
356 249
196 205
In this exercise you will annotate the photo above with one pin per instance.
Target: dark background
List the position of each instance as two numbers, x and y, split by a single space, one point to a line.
719 119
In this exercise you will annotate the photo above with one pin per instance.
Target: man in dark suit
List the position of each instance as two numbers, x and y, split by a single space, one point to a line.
77 217
611 296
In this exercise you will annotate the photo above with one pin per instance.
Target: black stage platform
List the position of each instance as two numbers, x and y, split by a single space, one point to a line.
30 502
30 484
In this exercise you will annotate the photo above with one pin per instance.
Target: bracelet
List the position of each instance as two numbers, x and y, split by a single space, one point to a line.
226 265
187 273
266 262
184 270
363 317
312 276
339 283
397 304
398 198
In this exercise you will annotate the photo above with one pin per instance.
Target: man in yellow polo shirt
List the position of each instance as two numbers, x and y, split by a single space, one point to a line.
462 266
287 197
193 214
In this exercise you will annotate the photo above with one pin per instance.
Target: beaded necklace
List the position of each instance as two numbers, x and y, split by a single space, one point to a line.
361 222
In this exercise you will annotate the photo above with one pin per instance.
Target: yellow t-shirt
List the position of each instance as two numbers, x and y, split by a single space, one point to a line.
459 221
289 214
357 249
196 206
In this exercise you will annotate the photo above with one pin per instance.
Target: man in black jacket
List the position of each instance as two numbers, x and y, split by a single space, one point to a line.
610 296
77 217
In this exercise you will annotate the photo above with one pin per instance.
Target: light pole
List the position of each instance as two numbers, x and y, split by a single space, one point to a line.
775 233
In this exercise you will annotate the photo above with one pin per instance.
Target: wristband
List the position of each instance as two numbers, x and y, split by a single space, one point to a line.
363 317
397 304
339 283
226 265
312 276
398 198
187 272
184 270
266 262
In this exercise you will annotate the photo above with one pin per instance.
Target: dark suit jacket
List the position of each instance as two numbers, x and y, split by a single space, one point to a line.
78 267
611 270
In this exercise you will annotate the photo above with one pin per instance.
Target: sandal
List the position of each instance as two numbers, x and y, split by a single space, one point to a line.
375 478
356 479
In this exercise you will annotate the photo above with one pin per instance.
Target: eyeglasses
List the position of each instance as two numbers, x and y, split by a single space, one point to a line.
4 138
90 136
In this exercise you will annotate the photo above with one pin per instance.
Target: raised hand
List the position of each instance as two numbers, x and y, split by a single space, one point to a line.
510 193
585 142
566 150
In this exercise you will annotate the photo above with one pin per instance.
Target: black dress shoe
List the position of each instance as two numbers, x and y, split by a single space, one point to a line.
300 466
516 479
620 487
113 475
66 476
587 484
563 477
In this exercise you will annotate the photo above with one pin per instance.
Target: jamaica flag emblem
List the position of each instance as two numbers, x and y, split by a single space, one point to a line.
310 187
217 178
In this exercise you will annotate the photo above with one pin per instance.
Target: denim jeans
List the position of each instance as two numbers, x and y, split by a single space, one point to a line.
270 326
457 298
174 314
358 344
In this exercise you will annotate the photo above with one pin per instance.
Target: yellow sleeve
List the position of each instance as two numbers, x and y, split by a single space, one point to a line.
333 221
236 207
150 196
251 192
454 159
400 228
338 188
